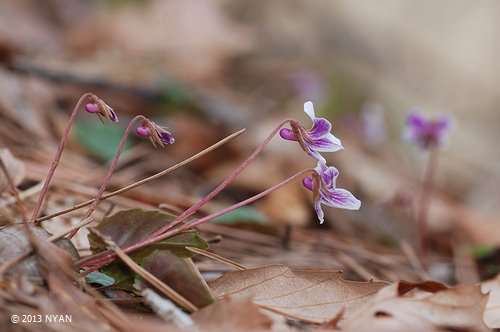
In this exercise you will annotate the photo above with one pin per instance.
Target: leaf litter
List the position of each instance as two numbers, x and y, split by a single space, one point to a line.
298 290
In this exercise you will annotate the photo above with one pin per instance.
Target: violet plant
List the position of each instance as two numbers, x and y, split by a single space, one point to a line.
429 135
322 182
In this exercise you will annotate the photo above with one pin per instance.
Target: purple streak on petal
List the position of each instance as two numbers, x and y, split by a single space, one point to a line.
166 138
329 176
91 108
142 131
321 127
416 121
287 134
340 198
327 144
319 212
307 182
113 116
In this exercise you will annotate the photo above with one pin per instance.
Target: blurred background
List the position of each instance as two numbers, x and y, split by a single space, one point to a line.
208 68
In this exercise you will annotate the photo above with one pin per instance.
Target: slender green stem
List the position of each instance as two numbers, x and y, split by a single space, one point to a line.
108 176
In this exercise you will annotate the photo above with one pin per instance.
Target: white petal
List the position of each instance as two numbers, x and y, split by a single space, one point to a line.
309 109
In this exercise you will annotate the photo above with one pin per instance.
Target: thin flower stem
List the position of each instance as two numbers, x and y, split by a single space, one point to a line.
106 257
57 157
15 192
148 179
97 199
231 177
425 199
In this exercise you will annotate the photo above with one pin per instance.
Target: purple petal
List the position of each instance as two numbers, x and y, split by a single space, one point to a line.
340 198
329 143
417 121
443 123
321 127
113 116
142 131
319 212
166 138
287 134
315 154
91 108
308 183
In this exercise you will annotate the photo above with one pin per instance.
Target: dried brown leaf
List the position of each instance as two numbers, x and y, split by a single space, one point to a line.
311 296
14 166
492 312
232 313
460 308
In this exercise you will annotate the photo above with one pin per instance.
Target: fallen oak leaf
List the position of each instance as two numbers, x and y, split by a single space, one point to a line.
492 311
460 308
310 296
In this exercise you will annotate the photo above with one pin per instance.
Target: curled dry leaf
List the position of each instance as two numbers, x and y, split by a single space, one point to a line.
15 243
492 312
310 296
14 166
232 314
395 309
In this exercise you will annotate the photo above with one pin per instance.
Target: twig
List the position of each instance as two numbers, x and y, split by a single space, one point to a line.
15 192
413 259
216 257
24 194
148 179
167 310
157 283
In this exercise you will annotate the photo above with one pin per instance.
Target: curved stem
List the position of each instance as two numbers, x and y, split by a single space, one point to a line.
57 157
106 257
148 179
97 199
231 177
425 199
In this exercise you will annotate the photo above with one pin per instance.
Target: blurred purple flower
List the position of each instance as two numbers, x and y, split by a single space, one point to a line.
425 132
323 186
374 127
308 84
315 140
155 133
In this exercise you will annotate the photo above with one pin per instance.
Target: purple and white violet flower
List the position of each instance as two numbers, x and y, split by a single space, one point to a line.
315 140
426 132
155 133
323 186
100 108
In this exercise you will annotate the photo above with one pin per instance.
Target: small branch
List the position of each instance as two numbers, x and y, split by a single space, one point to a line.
216 257
157 283
148 179
15 192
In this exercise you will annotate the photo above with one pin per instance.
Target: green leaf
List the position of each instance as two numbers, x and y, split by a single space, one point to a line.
244 214
101 141
100 279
